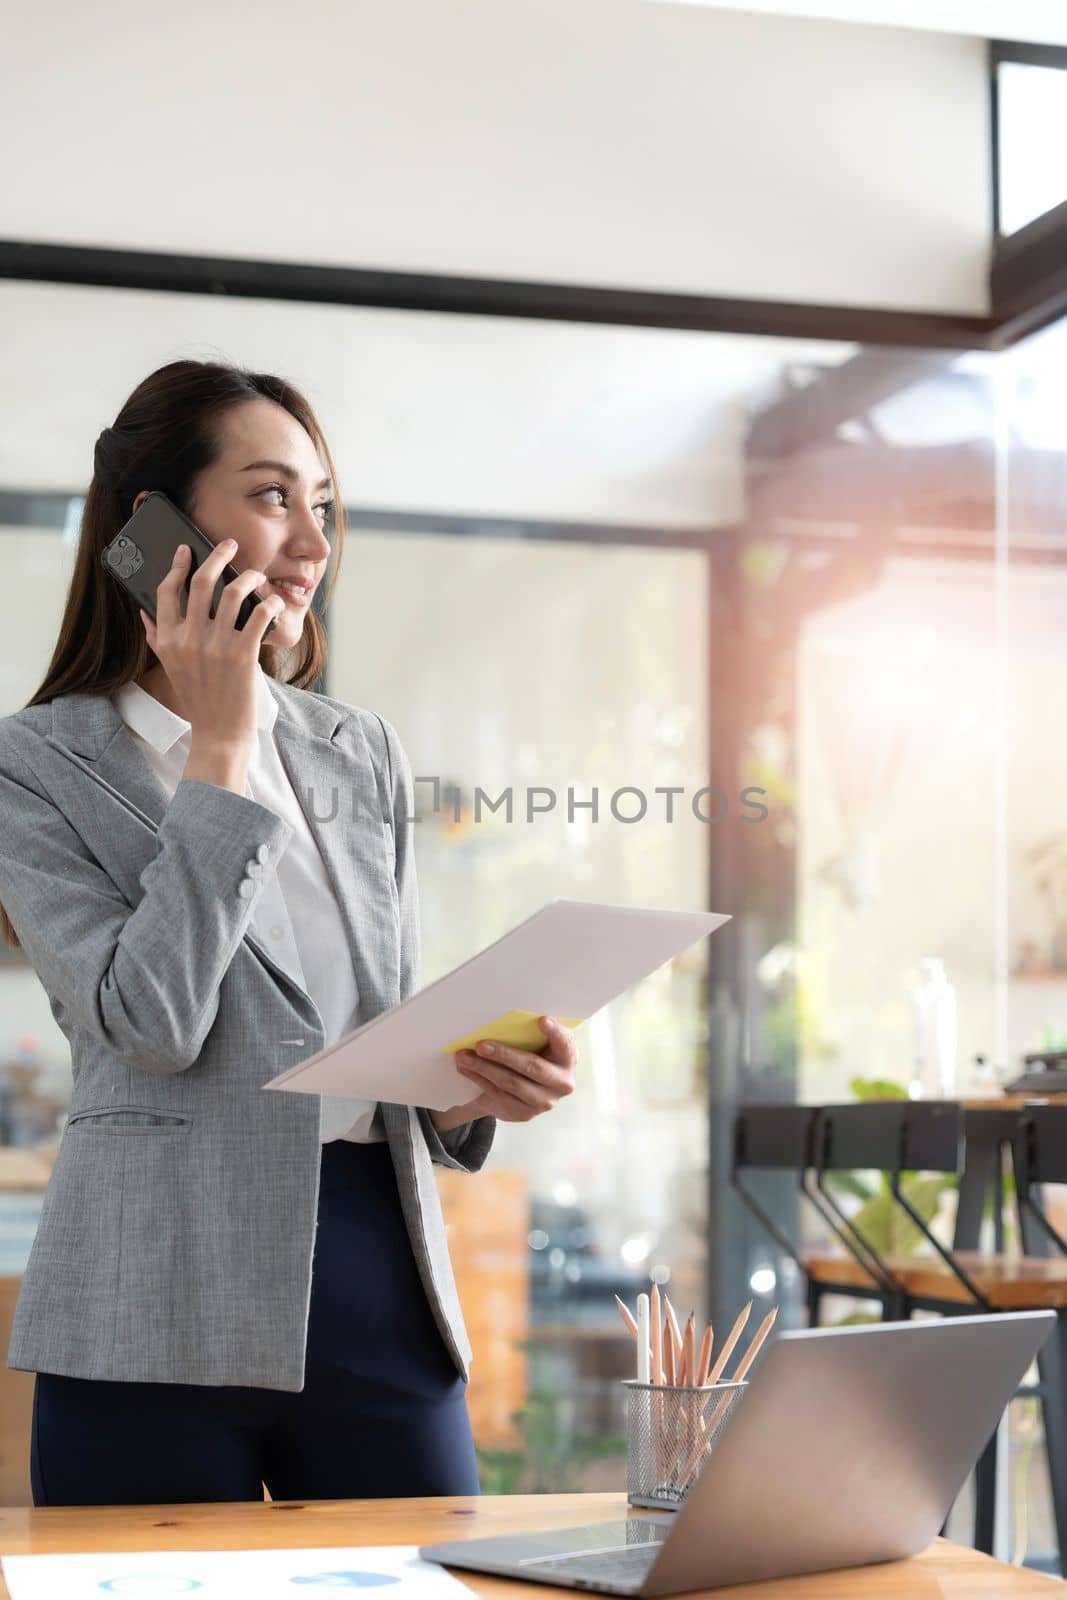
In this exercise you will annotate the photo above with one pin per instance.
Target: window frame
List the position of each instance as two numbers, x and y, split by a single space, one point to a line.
1011 52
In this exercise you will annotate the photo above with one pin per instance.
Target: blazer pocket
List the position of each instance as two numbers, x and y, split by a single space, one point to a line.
128 1119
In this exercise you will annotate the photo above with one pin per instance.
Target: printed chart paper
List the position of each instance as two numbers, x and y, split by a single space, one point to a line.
383 1570
570 958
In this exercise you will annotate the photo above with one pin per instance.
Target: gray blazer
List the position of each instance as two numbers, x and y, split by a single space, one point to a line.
176 1234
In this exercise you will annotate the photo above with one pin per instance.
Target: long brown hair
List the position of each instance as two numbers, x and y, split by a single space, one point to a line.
164 436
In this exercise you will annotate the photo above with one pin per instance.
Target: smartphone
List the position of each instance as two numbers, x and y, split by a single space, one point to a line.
142 553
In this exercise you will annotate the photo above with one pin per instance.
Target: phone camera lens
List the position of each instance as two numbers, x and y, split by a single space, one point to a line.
123 557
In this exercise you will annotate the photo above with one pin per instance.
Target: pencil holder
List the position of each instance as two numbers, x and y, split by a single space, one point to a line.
671 1429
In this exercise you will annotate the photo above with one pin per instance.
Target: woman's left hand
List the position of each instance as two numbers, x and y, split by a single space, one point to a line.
519 1084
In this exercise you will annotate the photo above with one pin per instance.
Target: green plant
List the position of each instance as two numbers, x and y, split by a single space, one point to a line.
885 1222
877 1089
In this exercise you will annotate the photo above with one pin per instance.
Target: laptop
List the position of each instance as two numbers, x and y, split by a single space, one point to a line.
849 1448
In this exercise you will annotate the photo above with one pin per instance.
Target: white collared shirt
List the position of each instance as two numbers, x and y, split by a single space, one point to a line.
296 917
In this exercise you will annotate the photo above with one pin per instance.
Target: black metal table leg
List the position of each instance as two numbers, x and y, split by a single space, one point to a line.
1052 1370
1052 1366
814 1301
985 1497
987 1132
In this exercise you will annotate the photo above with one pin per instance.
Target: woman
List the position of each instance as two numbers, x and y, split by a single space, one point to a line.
230 1287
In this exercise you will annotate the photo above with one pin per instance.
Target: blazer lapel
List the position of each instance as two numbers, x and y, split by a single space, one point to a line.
329 764
339 798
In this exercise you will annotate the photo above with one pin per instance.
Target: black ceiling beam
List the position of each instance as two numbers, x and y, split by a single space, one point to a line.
483 297
1029 55
1027 291
1028 279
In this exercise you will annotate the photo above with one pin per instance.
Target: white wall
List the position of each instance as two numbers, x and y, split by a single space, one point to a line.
584 141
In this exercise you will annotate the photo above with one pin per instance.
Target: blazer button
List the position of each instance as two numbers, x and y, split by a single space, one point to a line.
253 869
263 852
246 888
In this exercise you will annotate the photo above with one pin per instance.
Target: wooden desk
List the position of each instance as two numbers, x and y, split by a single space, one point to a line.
1005 1102
944 1572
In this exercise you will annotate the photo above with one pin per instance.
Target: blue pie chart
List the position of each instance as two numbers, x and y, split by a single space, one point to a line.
150 1583
348 1580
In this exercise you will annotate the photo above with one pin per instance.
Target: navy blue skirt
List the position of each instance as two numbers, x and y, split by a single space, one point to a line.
383 1411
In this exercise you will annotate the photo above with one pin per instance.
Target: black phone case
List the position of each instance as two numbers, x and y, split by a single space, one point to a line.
142 553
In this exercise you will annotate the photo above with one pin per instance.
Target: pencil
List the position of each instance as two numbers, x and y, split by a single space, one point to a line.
704 1358
713 1421
689 1358
643 1366
655 1331
676 1332
754 1348
668 1354
727 1350
627 1316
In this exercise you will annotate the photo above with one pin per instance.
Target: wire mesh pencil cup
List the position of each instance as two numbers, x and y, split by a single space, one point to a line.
671 1429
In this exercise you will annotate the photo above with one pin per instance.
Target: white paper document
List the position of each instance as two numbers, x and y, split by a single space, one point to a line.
231 1574
567 960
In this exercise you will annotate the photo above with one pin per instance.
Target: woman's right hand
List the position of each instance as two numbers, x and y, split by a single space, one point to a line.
212 664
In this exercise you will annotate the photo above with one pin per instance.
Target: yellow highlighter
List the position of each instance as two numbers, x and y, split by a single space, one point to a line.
517 1028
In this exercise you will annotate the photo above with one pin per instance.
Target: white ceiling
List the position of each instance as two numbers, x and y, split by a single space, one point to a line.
1036 21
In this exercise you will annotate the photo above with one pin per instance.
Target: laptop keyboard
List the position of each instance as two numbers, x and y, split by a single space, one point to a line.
616 1566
